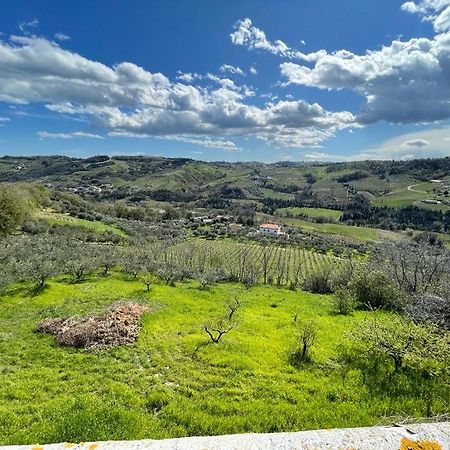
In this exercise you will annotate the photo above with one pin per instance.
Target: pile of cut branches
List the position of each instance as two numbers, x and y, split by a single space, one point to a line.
118 326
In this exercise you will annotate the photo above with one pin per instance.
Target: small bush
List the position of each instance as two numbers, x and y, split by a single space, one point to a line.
318 282
343 302
306 339
375 290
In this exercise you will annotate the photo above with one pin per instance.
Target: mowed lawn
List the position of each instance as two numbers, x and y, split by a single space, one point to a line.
171 382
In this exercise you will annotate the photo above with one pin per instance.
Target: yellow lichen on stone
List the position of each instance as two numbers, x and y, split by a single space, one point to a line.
93 446
37 447
407 444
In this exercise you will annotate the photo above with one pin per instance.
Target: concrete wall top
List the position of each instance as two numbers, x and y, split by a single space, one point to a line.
432 436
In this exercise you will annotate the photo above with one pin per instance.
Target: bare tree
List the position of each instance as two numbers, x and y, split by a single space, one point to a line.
233 307
297 266
430 308
266 254
417 267
281 267
217 328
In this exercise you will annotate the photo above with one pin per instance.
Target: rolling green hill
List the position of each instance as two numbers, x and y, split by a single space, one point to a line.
401 194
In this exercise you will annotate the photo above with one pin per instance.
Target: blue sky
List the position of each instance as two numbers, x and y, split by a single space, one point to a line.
239 80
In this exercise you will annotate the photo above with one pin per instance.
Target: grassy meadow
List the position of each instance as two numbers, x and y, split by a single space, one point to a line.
361 234
414 194
310 212
173 381
93 225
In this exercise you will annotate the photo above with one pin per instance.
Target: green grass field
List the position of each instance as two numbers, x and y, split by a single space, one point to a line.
412 195
270 193
93 225
362 234
171 383
311 212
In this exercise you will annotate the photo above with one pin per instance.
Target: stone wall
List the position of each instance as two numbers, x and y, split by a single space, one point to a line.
433 436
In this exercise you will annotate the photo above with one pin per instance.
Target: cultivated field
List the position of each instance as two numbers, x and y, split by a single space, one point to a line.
274 264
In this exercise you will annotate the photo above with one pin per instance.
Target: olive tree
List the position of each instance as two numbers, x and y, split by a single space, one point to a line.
38 257
79 261
418 352
13 209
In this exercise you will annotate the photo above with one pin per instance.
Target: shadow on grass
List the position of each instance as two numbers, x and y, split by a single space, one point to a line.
299 361
200 346
37 290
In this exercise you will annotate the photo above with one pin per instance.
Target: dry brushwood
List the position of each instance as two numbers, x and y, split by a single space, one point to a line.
118 326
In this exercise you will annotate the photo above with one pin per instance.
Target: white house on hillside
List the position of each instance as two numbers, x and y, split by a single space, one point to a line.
270 229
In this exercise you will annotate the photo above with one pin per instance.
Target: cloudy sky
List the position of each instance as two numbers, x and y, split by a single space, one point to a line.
239 80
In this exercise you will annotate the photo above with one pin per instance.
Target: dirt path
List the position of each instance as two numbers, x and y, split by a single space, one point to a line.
410 188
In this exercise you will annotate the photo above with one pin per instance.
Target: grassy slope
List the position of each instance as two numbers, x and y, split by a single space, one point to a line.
403 196
157 388
65 219
311 212
347 231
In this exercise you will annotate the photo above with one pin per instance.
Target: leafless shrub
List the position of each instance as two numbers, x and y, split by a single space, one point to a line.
418 267
217 328
430 308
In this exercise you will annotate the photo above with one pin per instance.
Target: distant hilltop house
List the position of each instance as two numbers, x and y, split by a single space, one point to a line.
431 202
270 229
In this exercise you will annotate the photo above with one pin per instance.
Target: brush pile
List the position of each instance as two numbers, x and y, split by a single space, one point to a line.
118 326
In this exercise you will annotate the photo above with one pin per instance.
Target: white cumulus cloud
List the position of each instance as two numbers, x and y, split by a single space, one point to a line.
61 37
433 142
75 134
254 38
224 68
126 99
404 82
435 11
